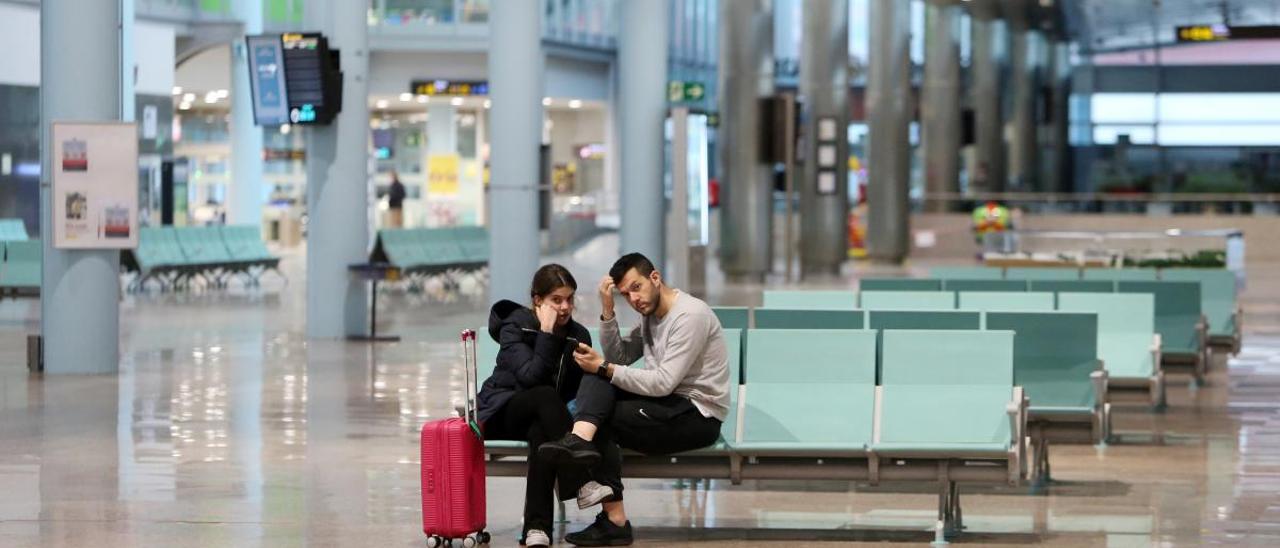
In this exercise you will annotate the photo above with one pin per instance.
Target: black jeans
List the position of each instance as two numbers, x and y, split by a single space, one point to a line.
536 415
650 426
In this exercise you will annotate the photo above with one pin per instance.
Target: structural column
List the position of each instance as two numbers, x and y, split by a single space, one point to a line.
338 194
247 186
82 64
1023 169
990 55
515 89
940 102
889 110
824 88
1059 140
642 81
746 183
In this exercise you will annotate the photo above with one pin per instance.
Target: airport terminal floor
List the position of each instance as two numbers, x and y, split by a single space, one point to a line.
227 427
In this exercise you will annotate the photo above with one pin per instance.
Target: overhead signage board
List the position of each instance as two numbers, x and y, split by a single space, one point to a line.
95 185
1219 32
461 88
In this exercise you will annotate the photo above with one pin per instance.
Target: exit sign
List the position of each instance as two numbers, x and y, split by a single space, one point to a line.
679 91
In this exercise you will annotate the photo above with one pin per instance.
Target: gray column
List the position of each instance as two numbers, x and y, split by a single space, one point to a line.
247 192
1059 141
940 101
81 68
338 183
515 84
746 184
989 57
889 110
824 87
1023 146
642 84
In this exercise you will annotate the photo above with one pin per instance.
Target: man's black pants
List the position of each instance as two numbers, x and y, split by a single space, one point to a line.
650 426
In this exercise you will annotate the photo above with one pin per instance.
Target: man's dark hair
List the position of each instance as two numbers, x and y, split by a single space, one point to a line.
642 264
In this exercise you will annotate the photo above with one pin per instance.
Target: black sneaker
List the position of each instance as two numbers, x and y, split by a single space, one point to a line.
570 448
602 533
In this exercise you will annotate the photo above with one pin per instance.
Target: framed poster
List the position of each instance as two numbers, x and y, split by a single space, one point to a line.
94 171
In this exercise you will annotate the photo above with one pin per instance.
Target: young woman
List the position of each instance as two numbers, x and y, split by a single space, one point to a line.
536 377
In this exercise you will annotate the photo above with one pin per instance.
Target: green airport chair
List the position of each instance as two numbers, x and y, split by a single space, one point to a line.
994 301
967 272
1042 273
899 284
812 300
1127 341
985 285
733 317
907 300
781 318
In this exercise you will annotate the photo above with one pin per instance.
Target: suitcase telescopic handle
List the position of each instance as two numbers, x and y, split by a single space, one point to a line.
470 368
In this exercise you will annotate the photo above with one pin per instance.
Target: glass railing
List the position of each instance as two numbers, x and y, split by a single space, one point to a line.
591 23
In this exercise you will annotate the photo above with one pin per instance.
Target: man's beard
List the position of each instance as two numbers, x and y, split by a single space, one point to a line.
657 300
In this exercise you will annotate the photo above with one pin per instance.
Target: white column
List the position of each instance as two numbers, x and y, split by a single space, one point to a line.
515 89
338 182
247 191
642 80
82 72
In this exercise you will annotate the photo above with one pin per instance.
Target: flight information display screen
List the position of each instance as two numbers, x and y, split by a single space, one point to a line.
296 79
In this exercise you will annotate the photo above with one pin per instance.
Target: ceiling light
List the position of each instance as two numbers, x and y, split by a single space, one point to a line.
184 106
456 101
382 103
210 99
546 101
488 103
177 90
406 97
188 97
223 94
575 104
285 129
422 99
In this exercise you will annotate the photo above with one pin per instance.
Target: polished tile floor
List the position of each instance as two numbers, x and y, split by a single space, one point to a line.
226 427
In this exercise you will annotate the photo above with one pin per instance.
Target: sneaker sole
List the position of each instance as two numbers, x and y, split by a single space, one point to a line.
617 542
560 455
583 504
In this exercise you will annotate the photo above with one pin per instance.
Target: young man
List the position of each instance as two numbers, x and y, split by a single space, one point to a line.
675 402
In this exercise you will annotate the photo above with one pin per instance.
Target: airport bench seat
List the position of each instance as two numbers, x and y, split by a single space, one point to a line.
907 300
1218 301
1127 342
21 271
899 284
1180 323
811 300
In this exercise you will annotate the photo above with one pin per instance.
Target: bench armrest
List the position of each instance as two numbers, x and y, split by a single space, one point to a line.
1099 379
1157 350
1016 409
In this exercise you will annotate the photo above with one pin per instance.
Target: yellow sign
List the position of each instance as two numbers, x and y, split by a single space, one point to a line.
442 174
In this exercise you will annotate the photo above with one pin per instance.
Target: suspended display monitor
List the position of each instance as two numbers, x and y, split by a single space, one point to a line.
295 79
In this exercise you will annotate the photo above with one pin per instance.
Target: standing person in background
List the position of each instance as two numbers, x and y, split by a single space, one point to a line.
395 201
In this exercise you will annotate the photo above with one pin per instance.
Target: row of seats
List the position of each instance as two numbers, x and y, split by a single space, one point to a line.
853 405
1179 318
13 230
432 250
1218 289
174 255
20 271
1126 342
1056 359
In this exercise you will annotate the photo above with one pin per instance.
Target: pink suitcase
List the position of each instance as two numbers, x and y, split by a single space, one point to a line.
453 505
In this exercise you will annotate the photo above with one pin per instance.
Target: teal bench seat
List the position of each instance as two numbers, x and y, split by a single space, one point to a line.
1127 343
1218 301
811 300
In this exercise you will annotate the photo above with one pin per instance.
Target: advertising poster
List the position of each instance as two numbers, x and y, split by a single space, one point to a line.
95 185
442 175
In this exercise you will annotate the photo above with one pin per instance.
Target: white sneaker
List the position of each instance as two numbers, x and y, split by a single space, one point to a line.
536 537
593 493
